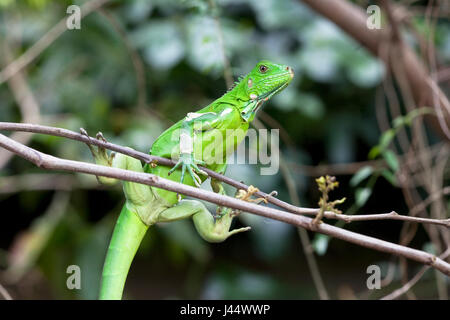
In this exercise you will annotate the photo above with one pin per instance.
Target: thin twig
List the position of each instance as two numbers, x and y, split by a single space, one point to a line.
352 19
407 286
48 162
60 132
25 100
43 43
49 181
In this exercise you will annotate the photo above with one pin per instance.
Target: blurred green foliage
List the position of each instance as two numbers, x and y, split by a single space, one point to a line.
90 78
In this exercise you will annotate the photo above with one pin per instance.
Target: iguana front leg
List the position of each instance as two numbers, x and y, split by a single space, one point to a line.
193 123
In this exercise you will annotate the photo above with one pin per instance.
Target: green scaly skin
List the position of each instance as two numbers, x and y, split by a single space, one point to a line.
228 118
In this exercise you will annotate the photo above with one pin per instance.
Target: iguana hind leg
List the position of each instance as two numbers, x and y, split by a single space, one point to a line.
210 229
139 196
102 157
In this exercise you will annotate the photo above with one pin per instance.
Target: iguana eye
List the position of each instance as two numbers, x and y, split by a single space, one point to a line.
263 68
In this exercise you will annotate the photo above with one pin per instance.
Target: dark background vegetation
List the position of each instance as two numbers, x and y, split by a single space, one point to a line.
90 78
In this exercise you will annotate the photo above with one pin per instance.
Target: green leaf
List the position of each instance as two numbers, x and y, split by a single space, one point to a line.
374 152
167 34
407 119
389 176
320 244
138 10
391 160
362 195
364 71
399 122
320 63
362 174
386 138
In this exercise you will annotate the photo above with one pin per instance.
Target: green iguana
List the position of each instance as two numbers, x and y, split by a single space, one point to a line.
186 141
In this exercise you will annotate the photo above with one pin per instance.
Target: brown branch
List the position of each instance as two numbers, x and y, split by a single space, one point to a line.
442 75
39 181
407 286
25 100
352 19
389 216
43 43
49 162
60 132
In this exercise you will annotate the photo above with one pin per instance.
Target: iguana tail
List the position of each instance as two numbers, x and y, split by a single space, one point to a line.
125 241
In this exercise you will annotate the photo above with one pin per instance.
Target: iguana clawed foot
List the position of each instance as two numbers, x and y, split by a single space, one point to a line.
239 230
100 154
246 195
189 163
243 195
222 212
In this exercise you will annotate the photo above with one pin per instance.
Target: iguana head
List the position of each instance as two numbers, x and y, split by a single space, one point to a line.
264 81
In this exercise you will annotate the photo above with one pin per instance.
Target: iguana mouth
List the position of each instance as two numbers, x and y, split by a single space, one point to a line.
266 96
272 92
